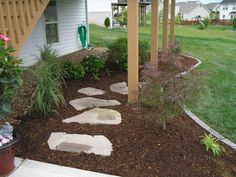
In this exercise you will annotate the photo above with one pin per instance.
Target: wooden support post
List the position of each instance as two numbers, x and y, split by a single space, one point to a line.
133 53
165 30
172 24
154 33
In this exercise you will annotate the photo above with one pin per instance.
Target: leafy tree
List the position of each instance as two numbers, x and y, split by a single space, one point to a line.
234 23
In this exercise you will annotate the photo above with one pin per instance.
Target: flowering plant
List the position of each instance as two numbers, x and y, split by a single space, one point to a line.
10 73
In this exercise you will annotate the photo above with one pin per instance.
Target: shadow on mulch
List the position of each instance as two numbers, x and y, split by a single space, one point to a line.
141 147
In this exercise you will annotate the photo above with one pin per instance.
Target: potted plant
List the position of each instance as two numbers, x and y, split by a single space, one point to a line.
10 81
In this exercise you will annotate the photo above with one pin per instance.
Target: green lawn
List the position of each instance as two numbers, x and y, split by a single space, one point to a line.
216 48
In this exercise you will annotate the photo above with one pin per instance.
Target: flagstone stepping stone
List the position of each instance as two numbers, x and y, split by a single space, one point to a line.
90 91
90 102
78 143
120 88
97 116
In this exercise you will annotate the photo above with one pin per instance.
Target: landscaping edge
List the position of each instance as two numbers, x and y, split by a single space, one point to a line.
198 120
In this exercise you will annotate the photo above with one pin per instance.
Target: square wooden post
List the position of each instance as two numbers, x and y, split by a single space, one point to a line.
165 29
172 24
154 32
133 52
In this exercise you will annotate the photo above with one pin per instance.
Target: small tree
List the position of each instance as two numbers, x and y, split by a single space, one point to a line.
123 18
178 20
166 91
234 23
206 22
107 22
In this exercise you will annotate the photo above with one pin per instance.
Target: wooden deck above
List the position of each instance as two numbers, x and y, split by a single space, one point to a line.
18 19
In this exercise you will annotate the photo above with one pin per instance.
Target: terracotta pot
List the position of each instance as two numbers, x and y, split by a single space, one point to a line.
7 154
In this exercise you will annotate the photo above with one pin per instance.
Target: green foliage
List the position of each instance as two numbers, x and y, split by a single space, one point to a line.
123 18
212 144
177 47
118 53
148 17
107 22
47 95
201 26
50 56
165 92
72 70
10 78
234 23
206 22
93 65
178 20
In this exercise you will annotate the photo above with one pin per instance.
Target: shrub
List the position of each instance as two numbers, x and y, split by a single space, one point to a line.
206 22
10 76
211 144
107 22
47 95
201 26
118 53
93 65
166 91
178 20
72 70
123 18
234 23
177 47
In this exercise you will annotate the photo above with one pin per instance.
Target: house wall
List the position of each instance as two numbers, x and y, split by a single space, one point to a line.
98 11
71 13
224 14
199 10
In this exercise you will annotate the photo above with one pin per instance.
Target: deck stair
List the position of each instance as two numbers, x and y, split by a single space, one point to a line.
18 18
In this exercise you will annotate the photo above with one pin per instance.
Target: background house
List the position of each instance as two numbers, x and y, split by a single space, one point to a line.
57 26
99 10
214 8
227 9
192 10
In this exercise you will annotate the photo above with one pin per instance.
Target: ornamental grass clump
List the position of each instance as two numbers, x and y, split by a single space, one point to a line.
167 91
48 95
212 144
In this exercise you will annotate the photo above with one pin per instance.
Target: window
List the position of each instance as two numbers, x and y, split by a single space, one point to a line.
51 23
225 7
234 7
223 16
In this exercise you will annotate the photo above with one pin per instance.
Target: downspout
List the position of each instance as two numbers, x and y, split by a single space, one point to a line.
87 23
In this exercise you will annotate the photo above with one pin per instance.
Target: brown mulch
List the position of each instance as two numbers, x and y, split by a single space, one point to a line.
141 148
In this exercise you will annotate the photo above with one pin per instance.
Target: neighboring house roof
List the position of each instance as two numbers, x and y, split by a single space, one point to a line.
228 1
188 6
211 6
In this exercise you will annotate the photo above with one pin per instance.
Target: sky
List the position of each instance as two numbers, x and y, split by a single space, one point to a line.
203 1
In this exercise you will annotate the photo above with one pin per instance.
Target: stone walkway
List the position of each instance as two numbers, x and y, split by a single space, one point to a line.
98 144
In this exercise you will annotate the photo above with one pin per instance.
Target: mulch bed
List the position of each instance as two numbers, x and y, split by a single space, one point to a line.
140 146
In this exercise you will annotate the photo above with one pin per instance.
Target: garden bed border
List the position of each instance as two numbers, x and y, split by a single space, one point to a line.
198 120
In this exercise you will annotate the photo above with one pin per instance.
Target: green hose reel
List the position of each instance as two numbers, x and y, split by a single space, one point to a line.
82 36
